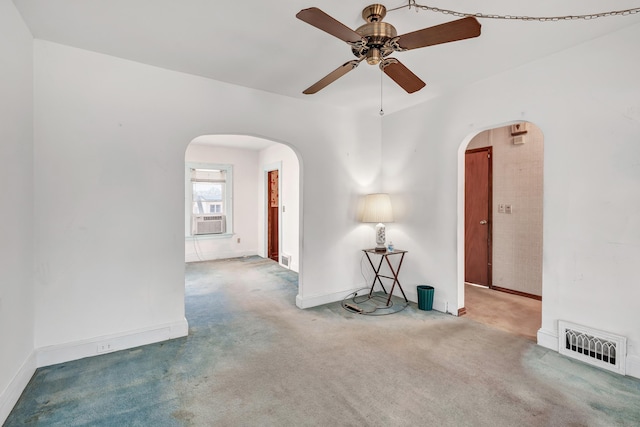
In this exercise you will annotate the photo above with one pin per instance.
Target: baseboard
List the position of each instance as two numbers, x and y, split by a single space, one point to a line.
514 292
213 255
548 339
316 300
321 299
11 394
633 366
440 305
294 267
51 355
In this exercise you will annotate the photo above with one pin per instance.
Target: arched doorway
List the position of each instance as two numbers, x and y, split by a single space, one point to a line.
502 222
227 218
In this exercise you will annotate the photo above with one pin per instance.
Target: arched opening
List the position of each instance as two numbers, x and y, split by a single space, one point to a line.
227 198
500 222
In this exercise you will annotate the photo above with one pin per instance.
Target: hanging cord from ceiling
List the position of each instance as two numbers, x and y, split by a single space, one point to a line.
381 110
587 17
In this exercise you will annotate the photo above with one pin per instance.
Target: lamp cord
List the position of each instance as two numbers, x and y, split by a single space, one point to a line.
377 310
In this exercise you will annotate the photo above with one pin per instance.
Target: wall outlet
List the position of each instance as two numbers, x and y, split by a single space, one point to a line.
102 348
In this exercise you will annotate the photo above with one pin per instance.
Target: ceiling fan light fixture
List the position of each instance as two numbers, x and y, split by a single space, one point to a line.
374 13
373 56
377 32
376 40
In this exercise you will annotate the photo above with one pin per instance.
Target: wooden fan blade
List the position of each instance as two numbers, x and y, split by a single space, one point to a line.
460 29
402 75
326 23
332 77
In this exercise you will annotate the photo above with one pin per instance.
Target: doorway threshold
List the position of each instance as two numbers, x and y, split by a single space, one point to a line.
476 285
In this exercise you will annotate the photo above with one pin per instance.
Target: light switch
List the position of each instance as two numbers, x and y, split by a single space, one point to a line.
501 208
508 209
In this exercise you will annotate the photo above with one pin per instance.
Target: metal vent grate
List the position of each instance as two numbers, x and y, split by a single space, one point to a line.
595 347
285 260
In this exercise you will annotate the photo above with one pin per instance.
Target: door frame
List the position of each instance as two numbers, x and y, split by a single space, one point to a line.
545 337
265 207
271 212
489 150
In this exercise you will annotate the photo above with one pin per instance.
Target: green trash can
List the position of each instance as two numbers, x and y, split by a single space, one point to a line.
425 297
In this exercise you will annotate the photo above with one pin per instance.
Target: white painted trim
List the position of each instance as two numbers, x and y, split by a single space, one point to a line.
213 255
438 304
209 237
51 355
442 307
316 300
10 395
460 237
228 196
548 339
633 366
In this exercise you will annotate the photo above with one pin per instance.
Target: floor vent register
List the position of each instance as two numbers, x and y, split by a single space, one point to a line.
598 348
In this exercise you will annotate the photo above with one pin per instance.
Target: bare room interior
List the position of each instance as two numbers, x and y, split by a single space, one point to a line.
186 192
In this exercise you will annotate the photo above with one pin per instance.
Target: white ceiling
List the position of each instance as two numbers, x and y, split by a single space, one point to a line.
261 44
234 141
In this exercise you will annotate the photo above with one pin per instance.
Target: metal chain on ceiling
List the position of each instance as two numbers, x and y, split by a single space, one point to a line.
414 4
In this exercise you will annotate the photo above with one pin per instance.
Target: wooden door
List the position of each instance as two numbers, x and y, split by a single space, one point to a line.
273 206
477 199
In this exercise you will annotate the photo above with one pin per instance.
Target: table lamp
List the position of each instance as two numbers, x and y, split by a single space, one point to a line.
377 209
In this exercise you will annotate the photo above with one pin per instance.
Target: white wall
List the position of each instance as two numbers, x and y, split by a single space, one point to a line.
586 101
289 178
110 146
245 215
17 362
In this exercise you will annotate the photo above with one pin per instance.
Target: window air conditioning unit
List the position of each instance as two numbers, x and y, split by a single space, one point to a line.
208 224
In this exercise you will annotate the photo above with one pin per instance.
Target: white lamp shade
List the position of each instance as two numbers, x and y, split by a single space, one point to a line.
377 208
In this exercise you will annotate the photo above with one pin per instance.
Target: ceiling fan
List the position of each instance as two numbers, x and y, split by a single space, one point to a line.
376 40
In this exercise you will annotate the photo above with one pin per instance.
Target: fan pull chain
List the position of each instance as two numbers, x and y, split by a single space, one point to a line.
381 110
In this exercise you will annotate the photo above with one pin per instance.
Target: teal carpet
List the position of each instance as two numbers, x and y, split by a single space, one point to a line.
139 387
252 358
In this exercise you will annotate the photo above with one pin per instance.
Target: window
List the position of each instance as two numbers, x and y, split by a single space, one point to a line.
208 190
